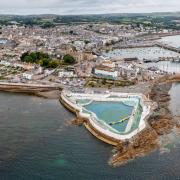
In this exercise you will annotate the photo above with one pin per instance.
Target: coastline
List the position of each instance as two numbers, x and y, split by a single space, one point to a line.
147 141
85 121
161 122
45 91
54 94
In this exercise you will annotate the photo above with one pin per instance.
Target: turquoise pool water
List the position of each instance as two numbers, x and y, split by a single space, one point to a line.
111 112
83 101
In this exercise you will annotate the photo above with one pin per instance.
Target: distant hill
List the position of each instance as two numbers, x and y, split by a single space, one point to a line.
162 19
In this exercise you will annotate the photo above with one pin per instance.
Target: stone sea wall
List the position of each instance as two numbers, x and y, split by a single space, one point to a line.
98 124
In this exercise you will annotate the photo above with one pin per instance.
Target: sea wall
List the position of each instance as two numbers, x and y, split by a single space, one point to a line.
91 118
83 120
26 88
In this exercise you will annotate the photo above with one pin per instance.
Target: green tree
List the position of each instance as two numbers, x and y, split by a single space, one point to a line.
45 62
53 64
48 25
24 55
33 56
28 59
68 59
40 58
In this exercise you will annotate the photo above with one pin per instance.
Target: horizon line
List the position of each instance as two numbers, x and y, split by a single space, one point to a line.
56 14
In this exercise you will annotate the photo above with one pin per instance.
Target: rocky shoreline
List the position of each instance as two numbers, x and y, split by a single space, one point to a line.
161 122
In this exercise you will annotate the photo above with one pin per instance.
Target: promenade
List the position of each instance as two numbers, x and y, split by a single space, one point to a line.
29 88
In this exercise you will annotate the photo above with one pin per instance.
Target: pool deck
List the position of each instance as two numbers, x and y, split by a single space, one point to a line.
100 130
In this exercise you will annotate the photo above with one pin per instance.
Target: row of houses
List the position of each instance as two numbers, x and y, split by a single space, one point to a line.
106 69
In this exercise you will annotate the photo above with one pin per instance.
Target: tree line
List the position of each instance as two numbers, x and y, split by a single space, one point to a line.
44 60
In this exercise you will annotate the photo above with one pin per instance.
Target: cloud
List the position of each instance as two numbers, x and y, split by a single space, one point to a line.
86 6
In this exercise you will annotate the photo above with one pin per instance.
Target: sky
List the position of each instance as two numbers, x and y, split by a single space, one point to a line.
64 7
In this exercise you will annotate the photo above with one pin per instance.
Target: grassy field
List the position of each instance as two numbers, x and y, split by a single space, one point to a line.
106 83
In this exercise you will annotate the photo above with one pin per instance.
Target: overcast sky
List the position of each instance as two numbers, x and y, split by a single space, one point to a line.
86 6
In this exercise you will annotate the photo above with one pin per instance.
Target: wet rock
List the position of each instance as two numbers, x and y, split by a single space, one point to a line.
78 121
161 122
143 143
162 126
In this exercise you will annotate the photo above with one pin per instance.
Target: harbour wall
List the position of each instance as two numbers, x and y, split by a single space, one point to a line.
27 88
92 123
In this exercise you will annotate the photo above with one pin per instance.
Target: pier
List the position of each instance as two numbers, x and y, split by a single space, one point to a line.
165 46
173 59
27 88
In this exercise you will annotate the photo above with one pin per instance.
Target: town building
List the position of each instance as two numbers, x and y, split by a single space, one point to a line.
62 74
105 72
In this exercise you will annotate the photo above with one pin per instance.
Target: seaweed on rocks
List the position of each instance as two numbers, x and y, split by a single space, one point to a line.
160 122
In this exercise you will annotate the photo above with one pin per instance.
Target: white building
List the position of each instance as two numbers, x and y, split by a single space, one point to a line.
65 74
18 65
39 70
48 72
79 45
102 71
27 76
5 63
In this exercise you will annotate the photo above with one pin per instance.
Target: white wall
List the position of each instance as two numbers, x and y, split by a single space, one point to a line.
106 73
93 118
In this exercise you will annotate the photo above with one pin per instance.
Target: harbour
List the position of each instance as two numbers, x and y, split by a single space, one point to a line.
152 53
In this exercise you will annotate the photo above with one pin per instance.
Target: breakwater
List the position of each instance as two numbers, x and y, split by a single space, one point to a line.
86 122
99 126
27 88
168 47
153 44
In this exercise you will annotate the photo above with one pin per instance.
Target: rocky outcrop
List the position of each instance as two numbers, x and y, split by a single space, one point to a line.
143 143
162 125
78 121
160 122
